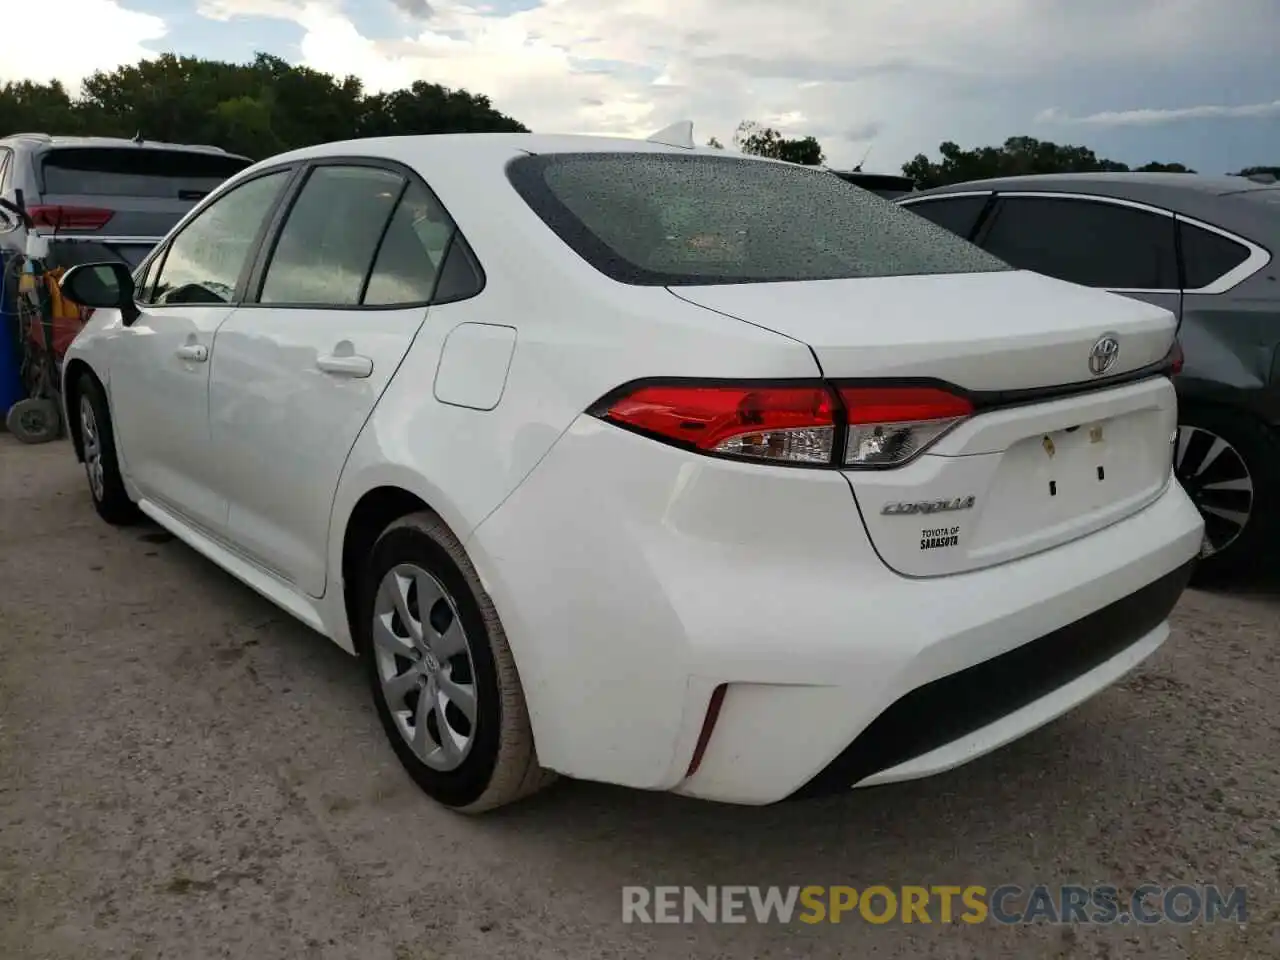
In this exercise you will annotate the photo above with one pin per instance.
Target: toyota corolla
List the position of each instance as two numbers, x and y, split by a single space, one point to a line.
642 463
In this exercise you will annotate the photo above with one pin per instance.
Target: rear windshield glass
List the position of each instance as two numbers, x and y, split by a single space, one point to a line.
677 219
137 172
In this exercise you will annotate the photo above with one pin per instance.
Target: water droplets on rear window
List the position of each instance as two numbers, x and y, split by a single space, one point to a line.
678 219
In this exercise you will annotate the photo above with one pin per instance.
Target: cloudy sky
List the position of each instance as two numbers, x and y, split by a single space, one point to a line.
1195 81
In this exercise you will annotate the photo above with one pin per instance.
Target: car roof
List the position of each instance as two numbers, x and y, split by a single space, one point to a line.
452 147
1201 196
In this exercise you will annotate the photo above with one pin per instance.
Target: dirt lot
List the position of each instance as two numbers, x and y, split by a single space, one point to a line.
184 772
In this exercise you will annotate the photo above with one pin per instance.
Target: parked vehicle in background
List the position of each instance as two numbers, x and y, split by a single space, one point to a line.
887 185
644 463
105 198
1204 248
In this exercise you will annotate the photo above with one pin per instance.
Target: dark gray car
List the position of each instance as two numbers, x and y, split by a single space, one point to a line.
1202 247
106 199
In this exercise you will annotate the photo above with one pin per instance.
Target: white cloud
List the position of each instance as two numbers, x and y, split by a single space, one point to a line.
889 73
69 39
894 75
1152 117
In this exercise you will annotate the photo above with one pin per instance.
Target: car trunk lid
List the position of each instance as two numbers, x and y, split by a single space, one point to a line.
1053 449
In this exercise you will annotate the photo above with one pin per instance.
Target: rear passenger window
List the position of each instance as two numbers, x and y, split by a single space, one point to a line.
412 252
331 236
957 214
1086 242
1206 256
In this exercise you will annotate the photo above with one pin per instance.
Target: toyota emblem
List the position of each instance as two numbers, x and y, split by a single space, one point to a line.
1104 353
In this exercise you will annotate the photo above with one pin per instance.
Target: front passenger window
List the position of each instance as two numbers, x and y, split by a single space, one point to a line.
204 261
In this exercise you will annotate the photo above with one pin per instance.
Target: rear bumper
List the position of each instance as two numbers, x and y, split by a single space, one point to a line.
948 721
635 579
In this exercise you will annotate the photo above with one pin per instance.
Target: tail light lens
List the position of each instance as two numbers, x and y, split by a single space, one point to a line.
1176 358
803 424
890 425
788 424
69 218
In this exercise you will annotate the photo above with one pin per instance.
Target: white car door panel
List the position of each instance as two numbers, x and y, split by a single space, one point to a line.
160 405
289 392
296 375
160 365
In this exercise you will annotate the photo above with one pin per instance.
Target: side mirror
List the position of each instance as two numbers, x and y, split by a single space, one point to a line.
101 286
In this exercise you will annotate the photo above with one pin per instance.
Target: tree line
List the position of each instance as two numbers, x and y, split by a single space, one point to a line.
268 106
256 109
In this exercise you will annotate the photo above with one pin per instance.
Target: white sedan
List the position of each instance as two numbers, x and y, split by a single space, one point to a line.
642 463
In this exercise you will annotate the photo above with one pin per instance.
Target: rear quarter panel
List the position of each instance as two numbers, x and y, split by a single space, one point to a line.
578 336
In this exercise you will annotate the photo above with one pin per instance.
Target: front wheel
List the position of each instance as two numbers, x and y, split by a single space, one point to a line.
101 466
1229 464
442 674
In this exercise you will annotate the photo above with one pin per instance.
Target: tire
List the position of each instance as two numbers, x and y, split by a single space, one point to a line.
102 468
34 420
1235 487
491 761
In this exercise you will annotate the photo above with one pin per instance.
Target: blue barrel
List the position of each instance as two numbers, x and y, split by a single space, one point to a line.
11 389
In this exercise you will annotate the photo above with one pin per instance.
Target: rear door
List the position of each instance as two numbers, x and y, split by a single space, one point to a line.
118 201
1109 244
340 297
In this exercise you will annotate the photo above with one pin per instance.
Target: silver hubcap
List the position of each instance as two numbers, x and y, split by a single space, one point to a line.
1218 481
92 448
425 667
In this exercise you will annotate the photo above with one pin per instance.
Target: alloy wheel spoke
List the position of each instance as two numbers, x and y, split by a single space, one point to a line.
1237 517
386 639
399 586
448 739
450 643
461 695
422 743
399 687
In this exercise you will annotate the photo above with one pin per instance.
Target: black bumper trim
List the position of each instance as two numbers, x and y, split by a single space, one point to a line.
950 707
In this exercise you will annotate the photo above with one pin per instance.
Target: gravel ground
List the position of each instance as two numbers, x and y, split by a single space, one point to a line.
186 773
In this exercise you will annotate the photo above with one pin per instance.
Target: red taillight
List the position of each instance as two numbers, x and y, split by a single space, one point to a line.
890 425
69 218
1176 358
798 423
793 424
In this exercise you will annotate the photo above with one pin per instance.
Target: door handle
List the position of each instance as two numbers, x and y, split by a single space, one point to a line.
346 365
193 351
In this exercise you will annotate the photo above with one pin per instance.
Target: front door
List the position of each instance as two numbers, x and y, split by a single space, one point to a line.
160 364
297 374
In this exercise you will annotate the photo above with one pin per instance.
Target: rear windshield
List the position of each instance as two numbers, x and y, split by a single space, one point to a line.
137 172
678 219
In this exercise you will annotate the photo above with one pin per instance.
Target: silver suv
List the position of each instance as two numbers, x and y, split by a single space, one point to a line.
101 198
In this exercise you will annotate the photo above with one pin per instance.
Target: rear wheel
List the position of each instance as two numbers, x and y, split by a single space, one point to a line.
443 678
1229 464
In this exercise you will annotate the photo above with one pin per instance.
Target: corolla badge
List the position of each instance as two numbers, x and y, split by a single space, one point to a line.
1104 354
928 506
